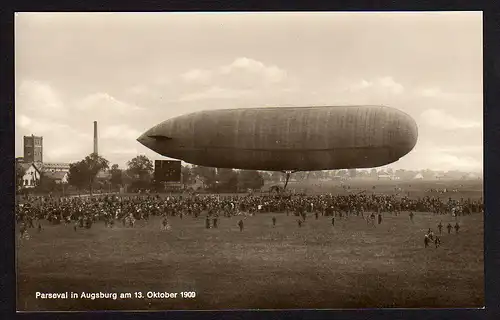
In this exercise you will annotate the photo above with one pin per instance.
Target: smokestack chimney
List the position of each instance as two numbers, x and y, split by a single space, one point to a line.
95 137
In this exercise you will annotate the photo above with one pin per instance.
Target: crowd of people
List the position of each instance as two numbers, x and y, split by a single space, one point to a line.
82 212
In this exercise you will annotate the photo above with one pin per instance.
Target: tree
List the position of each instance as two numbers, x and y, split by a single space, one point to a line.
78 175
250 179
94 164
342 173
207 173
116 175
186 175
323 174
83 173
362 173
140 167
266 175
46 184
228 180
276 176
20 171
300 175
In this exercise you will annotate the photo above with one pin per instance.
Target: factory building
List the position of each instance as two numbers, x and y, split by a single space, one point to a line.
54 167
33 149
35 168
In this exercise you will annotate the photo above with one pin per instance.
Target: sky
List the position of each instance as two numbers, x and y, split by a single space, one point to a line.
131 71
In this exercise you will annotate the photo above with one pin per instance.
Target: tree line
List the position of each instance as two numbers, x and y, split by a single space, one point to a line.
94 172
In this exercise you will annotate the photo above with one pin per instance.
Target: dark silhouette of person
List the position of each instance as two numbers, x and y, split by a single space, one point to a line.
426 240
437 241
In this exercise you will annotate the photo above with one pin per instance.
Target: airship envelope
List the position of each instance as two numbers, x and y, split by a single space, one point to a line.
286 138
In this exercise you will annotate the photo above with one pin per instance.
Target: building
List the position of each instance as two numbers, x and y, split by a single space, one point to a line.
33 149
103 175
385 177
418 176
338 178
31 177
59 177
54 167
33 153
198 183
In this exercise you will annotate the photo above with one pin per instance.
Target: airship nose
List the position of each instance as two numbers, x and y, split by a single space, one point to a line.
407 134
145 140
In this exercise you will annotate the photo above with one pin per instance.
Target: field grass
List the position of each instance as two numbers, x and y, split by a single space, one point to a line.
349 265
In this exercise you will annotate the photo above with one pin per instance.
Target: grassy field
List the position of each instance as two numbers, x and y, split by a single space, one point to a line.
349 265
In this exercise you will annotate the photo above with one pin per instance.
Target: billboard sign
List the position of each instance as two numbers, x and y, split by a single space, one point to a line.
167 171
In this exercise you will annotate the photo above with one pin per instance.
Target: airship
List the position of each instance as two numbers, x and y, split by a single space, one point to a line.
286 139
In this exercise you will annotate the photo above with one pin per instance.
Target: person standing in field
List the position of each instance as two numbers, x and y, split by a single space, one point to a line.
440 227
437 241
457 227
333 221
411 216
207 223
371 220
431 234
426 240
215 222
30 222
274 221
240 224
449 227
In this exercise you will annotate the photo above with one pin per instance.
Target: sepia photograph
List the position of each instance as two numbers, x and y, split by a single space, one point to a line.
248 160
